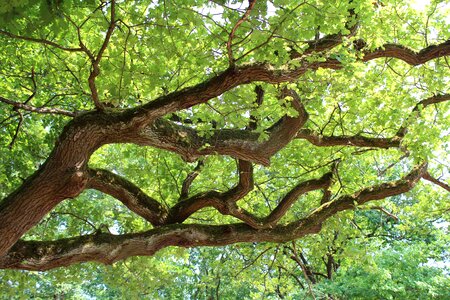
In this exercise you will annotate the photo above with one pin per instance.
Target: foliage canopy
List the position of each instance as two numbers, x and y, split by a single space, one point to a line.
131 126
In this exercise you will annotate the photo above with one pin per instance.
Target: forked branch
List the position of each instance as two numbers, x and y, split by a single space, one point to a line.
109 248
95 64
242 144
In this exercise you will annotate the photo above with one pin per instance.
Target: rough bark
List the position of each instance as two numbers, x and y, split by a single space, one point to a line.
65 174
108 248
128 193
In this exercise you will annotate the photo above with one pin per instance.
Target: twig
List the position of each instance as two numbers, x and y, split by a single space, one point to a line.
252 262
95 64
10 146
33 93
40 41
251 4
76 217
383 210
41 110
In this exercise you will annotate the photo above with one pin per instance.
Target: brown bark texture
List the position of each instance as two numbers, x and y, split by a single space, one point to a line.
65 173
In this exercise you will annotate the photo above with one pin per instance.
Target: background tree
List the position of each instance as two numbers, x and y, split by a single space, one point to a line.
196 115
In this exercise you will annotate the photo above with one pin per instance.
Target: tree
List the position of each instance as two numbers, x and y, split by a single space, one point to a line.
278 115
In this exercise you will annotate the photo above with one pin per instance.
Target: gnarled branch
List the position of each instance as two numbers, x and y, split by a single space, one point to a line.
108 248
241 144
407 55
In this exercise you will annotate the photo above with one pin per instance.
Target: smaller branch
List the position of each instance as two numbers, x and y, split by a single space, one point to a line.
376 192
253 124
272 34
112 25
76 217
189 179
11 145
33 93
317 139
40 41
329 41
41 110
310 280
383 210
293 276
326 190
322 183
252 262
251 4
430 178
95 64
326 196
384 171
422 104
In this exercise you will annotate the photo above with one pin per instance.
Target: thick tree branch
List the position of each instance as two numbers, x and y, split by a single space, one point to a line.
129 194
217 85
344 140
108 248
407 55
241 144
236 76
62 176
